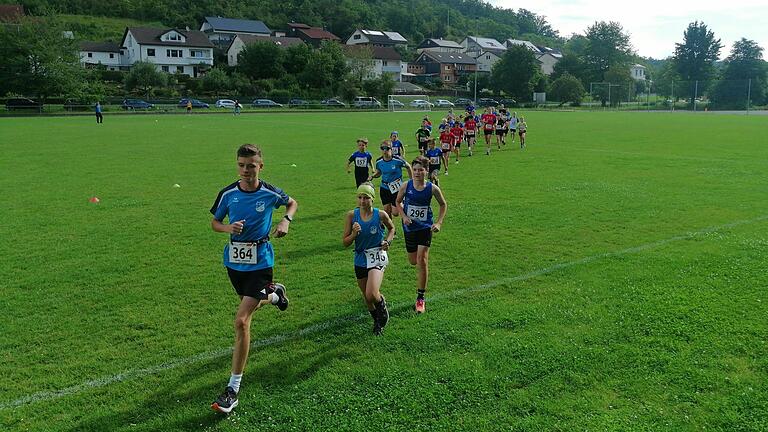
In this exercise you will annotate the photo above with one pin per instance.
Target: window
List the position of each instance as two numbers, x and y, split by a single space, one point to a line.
174 37
488 57
173 53
447 78
384 63
90 55
180 69
356 37
111 55
165 68
150 52
197 53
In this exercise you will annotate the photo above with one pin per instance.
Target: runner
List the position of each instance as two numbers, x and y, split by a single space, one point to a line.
390 169
248 257
362 160
443 125
446 145
422 137
434 157
522 127
458 136
363 226
414 201
397 145
512 127
501 128
470 127
488 120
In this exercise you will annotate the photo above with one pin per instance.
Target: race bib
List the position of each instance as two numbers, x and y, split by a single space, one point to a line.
375 257
396 151
418 213
470 132
446 146
435 160
361 162
394 186
243 252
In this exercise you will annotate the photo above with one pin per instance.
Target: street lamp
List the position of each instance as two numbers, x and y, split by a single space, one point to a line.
474 101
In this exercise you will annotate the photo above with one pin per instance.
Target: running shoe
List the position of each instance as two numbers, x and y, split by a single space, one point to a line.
420 306
383 312
226 402
282 303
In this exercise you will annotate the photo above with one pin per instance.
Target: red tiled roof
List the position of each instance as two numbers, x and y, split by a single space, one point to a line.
11 12
318 33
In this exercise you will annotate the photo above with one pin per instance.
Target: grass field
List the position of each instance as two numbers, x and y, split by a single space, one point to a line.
610 277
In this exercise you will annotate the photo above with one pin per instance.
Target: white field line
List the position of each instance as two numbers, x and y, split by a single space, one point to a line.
315 328
648 155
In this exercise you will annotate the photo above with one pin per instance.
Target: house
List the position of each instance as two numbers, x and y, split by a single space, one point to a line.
534 49
439 45
486 60
221 31
240 41
548 60
376 38
188 52
476 44
11 13
385 60
449 67
637 72
313 36
106 54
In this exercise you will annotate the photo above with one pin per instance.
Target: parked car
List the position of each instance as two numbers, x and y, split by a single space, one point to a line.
463 102
421 103
195 103
366 102
297 102
134 104
394 103
265 103
442 103
23 104
333 102
508 102
488 102
225 103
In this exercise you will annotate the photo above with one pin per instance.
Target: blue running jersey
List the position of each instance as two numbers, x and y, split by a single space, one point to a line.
397 148
417 205
391 170
435 157
370 235
256 208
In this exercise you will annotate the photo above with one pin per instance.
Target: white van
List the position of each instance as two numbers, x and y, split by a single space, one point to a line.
366 102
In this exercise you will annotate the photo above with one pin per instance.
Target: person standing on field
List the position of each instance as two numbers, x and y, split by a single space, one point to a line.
364 226
247 204
414 202
99 116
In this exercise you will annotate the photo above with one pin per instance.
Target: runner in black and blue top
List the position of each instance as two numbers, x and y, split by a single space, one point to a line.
390 169
364 226
397 145
362 161
414 202
435 157
247 204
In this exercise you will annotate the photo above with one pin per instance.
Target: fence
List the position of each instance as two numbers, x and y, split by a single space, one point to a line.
713 95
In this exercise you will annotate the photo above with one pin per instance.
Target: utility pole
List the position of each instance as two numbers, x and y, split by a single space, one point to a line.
474 102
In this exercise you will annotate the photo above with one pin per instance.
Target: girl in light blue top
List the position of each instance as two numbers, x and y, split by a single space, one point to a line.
364 226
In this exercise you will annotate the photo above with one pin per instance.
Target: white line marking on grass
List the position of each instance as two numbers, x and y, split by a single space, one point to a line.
647 155
315 328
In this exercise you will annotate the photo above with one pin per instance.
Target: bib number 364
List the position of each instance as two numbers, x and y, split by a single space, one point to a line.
376 257
243 253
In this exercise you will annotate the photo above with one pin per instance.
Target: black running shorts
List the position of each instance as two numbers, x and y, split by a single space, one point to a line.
414 239
251 283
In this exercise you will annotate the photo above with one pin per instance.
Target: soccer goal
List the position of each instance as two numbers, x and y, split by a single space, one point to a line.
409 103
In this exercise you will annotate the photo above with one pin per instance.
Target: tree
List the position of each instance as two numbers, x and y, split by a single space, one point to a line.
744 73
607 46
622 84
567 88
144 77
573 65
216 81
261 60
360 61
326 68
295 59
695 57
39 61
516 73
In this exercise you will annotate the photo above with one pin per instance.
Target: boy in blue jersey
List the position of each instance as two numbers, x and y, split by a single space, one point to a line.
397 145
365 227
414 202
362 160
390 169
247 204
435 156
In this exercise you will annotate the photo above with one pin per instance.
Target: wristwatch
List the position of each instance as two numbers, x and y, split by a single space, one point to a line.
288 218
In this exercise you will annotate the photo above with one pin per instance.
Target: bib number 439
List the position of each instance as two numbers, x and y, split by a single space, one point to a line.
243 253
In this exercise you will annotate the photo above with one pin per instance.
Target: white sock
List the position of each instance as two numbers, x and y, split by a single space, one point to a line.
234 382
273 298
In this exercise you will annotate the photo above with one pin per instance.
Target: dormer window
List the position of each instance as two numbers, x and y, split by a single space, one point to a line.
173 36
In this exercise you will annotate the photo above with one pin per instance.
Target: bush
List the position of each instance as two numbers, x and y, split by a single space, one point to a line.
280 95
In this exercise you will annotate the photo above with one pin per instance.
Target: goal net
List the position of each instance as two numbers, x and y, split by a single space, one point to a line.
409 103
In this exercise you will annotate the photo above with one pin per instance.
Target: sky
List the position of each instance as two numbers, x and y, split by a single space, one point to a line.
655 26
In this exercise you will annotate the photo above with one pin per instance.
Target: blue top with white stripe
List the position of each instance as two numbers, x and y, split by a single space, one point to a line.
391 170
371 235
417 205
256 208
